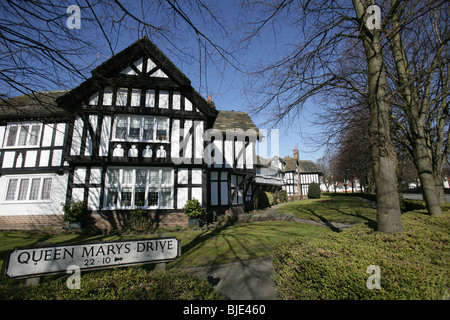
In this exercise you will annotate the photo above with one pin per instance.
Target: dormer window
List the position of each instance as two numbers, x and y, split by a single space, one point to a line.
23 135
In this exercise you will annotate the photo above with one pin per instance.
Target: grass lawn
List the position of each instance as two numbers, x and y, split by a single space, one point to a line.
334 208
241 241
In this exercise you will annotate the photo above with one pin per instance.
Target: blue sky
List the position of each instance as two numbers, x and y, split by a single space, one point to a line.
228 83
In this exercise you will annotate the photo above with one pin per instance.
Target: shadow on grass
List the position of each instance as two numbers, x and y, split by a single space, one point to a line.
324 220
332 211
237 243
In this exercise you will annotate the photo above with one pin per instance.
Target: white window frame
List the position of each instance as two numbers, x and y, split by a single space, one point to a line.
141 133
122 97
19 126
120 185
27 199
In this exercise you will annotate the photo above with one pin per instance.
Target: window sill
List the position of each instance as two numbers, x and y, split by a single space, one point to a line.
140 208
21 147
26 202
140 141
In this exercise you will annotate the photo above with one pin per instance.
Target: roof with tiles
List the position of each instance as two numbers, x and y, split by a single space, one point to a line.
306 166
41 104
229 120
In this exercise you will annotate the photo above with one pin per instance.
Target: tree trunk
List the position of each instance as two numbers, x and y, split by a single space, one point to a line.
382 148
422 152
442 198
431 187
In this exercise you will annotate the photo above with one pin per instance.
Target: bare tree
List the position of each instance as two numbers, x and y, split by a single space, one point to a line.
315 66
41 51
417 76
419 41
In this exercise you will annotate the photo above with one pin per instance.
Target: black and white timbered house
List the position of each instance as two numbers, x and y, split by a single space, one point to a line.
298 175
134 135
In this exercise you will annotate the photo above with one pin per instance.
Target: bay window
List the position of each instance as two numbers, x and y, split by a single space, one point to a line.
129 188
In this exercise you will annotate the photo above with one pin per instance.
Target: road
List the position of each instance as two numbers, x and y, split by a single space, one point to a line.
418 196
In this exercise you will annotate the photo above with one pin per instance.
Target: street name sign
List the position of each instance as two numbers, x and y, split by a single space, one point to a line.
32 262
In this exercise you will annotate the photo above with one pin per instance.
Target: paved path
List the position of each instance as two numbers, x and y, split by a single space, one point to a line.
244 280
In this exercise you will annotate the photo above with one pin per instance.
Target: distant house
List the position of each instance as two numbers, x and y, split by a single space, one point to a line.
290 173
269 174
298 174
134 135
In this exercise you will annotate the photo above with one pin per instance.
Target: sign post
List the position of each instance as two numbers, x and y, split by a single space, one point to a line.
34 262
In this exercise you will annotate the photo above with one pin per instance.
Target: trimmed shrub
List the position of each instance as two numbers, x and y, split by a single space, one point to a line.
265 199
411 205
314 191
121 284
75 211
193 209
271 197
368 196
413 265
281 195
265 216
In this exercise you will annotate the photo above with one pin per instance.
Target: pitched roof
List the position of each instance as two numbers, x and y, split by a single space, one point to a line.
305 166
229 120
267 162
114 65
290 164
142 47
40 104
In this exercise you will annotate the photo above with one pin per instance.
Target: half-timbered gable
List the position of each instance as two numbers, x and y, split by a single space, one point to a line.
231 159
136 140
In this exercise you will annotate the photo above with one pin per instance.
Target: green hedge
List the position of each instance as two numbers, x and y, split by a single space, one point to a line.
413 265
314 191
119 284
265 199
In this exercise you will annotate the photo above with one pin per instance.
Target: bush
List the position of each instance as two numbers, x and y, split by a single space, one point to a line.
138 220
314 191
412 205
271 197
265 216
120 284
368 196
265 199
193 209
75 211
262 201
281 195
413 264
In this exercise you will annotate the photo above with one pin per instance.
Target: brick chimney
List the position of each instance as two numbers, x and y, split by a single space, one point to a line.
296 153
210 102
296 156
